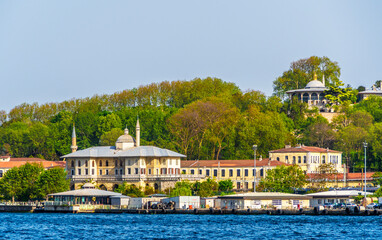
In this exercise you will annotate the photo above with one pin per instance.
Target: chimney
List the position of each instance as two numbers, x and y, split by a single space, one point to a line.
138 134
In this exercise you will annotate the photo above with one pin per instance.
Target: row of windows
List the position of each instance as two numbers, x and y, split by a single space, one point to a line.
129 171
313 159
119 162
223 172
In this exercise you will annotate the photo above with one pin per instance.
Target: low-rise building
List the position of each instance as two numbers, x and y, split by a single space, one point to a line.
240 172
7 162
184 202
258 200
308 158
335 196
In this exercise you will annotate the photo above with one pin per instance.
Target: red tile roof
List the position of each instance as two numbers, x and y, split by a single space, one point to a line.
230 163
303 149
17 162
349 176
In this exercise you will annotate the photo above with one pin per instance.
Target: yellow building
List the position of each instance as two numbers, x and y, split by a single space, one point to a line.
127 161
308 158
240 172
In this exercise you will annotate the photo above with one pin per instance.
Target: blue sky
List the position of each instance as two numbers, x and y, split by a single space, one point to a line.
51 51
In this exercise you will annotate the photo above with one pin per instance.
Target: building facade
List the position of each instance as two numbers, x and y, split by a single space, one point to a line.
309 159
240 172
127 161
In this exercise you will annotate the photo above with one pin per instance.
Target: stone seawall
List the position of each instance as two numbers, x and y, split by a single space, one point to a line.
13 208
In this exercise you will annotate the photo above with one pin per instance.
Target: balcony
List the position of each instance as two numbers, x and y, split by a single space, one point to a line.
136 178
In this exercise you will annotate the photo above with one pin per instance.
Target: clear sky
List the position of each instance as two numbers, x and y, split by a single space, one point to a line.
51 51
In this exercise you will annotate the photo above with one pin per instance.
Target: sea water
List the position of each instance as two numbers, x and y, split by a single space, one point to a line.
134 226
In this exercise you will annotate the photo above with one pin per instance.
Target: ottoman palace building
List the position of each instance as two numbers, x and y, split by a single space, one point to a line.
127 161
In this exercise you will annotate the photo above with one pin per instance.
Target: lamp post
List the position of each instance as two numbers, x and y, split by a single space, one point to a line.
365 146
254 168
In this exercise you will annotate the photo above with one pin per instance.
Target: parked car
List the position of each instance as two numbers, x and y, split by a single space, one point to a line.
372 206
350 205
329 205
339 206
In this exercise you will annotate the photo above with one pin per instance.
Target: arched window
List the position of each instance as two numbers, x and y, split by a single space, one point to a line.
100 163
321 97
314 96
305 97
299 159
1 173
323 159
107 164
304 159
121 171
294 159
116 171
286 159
278 159
93 164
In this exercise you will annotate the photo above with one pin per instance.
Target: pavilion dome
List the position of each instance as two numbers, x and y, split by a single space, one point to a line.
125 141
315 84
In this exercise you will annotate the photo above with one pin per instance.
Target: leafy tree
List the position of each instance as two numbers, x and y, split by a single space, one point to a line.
207 188
182 188
52 181
130 190
301 72
283 179
225 185
10 184
109 138
377 179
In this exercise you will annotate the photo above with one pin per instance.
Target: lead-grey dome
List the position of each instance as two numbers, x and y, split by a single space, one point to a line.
126 138
315 84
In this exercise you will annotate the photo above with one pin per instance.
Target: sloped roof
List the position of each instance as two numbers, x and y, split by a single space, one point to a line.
230 163
349 176
17 162
265 195
315 84
338 193
87 192
303 149
110 151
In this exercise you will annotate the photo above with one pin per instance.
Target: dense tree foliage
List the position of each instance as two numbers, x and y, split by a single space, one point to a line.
31 181
204 119
209 187
283 179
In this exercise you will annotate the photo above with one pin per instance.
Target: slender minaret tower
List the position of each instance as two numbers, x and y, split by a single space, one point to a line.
137 134
323 79
74 140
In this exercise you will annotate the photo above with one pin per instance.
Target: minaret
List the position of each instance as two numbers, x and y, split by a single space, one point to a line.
138 134
323 79
74 140
315 76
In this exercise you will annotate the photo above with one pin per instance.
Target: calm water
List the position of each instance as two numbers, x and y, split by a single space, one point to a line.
127 226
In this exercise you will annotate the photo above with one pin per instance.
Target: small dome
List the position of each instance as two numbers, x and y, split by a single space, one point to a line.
315 84
126 138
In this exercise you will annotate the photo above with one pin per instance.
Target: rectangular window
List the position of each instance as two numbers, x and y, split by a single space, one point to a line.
299 159
200 172
150 171
207 172
276 202
121 171
192 171
246 172
223 172
304 159
231 172
107 171
136 170
79 171
72 171
86 171
296 202
215 172
116 171
183 171
100 172
238 172
129 171
93 171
